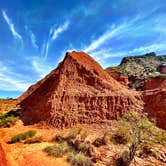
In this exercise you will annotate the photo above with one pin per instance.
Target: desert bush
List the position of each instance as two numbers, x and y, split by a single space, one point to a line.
57 150
33 140
16 112
59 138
121 136
81 146
9 118
22 136
159 137
7 121
141 131
79 159
101 140
72 134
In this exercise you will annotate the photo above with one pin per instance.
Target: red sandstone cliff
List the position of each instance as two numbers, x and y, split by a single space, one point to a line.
155 100
78 91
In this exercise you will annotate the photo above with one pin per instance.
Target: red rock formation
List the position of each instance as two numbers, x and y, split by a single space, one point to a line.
78 91
120 77
153 83
155 100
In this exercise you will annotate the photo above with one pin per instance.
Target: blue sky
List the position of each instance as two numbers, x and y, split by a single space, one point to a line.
35 34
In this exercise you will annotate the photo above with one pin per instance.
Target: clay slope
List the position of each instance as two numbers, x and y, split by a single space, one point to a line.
78 91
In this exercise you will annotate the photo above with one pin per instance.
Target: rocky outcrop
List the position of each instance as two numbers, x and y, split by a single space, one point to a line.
120 77
78 91
155 100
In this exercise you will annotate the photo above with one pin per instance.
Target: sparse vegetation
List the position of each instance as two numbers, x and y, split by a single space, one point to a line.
57 150
71 141
121 136
99 142
159 137
9 118
59 138
22 136
79 159
8 121
37 139
72 134
141 132
102 140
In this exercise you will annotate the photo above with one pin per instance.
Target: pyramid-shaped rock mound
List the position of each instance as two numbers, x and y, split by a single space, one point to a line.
78 91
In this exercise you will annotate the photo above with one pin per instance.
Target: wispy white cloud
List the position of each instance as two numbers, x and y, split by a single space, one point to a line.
109 34
11 25
10 81
104 55
47 44
33 40
149 48
53 35
32 37
40 67
57 31
103 48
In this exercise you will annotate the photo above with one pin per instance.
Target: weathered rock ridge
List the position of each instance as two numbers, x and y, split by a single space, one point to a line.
78 91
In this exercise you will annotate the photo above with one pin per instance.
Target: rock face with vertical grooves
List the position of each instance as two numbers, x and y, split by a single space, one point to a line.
154 95
78 91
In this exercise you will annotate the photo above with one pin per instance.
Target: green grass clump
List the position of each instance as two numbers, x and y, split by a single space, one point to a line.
9 118
99 142
7 121
57 150
81 146
159 137
121 136
33 140
79 159
102 140
22 136
72 134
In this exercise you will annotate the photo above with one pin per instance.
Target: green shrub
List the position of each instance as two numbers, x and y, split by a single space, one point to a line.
102 140
33 140
22 136
81 146
59 138
99 142
141 130
121 136
160 137
72 134
14 112
57 150
8 121
9 118
79 160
